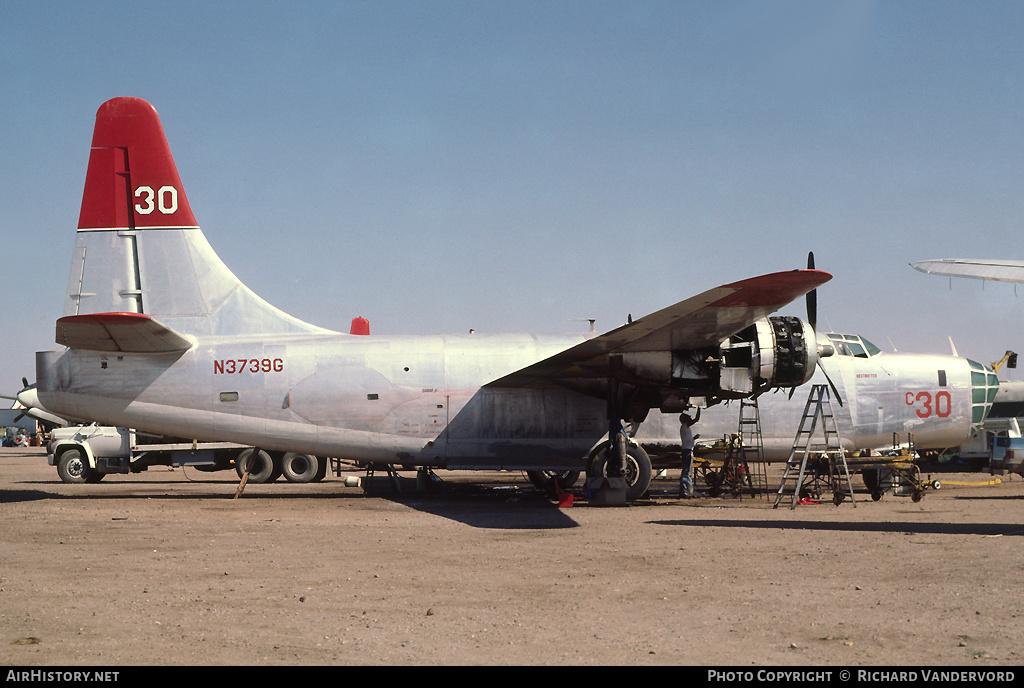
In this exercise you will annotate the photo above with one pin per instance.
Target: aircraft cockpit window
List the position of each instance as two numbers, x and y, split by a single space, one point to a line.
869 347
853 345
842 348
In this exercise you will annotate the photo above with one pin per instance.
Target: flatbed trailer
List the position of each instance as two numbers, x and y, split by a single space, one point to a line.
85 454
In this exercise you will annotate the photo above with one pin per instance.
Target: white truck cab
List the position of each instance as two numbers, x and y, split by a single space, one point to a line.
81 453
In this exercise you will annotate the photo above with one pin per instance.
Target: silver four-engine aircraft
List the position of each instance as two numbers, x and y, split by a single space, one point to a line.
160 336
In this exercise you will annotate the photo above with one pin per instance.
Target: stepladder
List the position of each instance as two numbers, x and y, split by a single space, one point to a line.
817 461
752 446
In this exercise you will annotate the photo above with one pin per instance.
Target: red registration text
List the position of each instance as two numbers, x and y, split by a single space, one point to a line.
925 404
229 366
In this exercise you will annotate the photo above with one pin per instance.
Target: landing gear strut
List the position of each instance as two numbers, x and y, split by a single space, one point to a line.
617 471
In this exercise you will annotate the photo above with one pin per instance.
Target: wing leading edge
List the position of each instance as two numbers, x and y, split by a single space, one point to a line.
696 323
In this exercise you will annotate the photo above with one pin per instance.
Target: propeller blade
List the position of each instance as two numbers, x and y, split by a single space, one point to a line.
831 384
812 297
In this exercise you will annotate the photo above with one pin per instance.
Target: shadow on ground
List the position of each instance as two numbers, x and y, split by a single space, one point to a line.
991 529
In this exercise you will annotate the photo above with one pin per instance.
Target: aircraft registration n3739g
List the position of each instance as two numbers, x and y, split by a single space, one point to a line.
160 336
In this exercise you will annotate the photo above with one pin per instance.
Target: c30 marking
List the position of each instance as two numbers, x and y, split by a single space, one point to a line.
926 404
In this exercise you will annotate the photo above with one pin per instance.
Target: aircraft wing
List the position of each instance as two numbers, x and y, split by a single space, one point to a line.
698 322
995 270
135 333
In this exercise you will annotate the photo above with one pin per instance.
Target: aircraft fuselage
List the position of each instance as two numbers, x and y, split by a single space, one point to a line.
885 396
415 399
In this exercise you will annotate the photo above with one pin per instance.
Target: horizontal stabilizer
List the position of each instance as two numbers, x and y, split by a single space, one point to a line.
132 333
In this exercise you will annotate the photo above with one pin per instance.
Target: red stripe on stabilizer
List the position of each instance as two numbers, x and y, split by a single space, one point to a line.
132 180
106 318
776 289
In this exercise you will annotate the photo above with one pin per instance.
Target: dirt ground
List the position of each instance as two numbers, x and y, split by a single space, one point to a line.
166 568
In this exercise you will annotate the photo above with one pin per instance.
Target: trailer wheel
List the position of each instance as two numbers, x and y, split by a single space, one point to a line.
300 468
262 468
72 467
322 462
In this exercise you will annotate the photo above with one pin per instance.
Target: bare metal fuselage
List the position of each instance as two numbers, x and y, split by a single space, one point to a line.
414 399
419 400
888 396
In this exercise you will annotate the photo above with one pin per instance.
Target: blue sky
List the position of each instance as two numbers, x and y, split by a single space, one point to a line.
509 166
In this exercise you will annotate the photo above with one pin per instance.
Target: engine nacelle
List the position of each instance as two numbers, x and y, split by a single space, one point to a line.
774 352
779 351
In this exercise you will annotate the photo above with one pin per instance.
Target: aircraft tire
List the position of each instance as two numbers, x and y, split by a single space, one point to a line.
73 468
871 479
299 468
275 467
546 481
263 467
638 468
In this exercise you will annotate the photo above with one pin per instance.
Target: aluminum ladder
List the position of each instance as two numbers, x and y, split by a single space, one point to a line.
752 445
818 410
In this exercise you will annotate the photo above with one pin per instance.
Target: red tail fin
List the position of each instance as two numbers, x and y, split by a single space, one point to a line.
132 181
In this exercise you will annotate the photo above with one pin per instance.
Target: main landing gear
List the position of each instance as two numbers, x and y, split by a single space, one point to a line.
618 471
634 470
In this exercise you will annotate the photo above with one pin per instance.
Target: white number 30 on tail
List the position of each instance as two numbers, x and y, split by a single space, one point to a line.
164 199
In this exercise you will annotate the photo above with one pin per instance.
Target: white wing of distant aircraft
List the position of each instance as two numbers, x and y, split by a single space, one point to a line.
995 270
162 337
